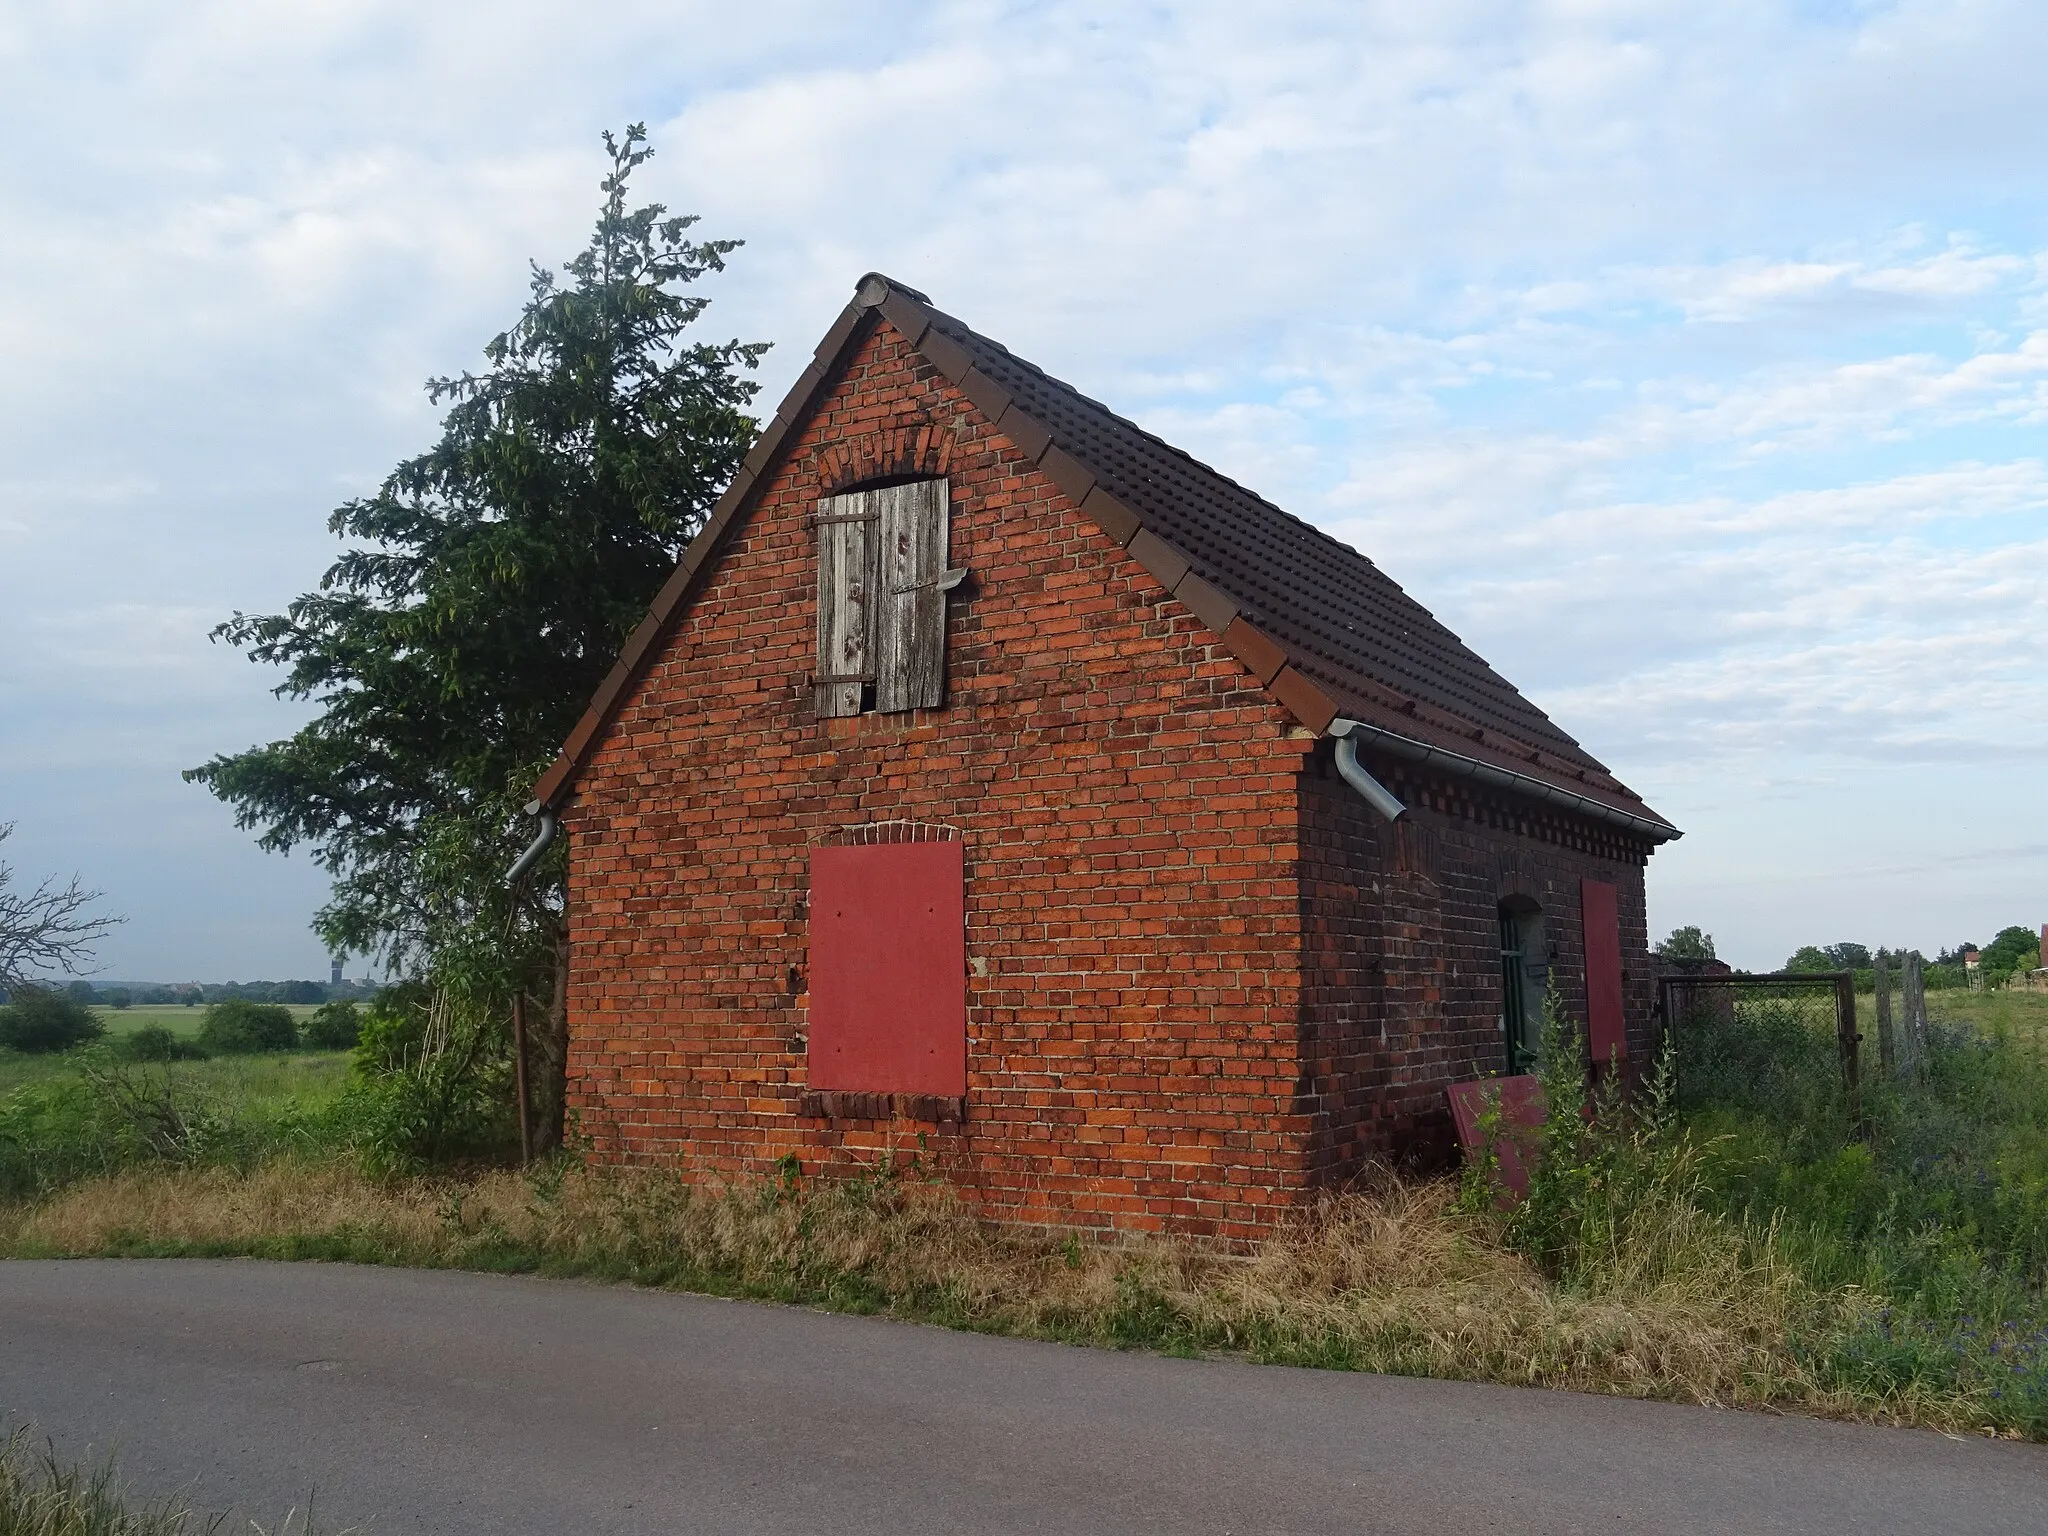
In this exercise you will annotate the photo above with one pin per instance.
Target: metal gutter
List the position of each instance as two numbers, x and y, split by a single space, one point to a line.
1350 731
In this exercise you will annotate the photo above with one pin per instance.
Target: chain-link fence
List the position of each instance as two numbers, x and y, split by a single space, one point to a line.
1785 1046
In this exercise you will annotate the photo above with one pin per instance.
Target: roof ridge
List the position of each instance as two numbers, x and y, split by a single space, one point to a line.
1420 610
1145 432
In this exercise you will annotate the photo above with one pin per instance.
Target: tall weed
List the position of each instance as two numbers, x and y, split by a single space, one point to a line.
431 1083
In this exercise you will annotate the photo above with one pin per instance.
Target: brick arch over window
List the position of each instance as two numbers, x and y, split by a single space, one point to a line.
1512 883
918 450
889 832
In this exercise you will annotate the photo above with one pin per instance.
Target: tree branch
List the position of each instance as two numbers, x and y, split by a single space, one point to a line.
47 929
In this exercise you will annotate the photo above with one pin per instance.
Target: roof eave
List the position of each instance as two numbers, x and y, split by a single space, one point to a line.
1646 824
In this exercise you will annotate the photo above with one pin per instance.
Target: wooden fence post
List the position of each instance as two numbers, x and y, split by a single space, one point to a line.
519 1072
1914 1035
1848 1039
1920 1051
1886 1055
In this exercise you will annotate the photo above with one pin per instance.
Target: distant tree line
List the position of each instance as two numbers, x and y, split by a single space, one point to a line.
2011 952
197 994
43 1021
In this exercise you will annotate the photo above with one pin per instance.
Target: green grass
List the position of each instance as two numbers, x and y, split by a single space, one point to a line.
2023 1015
175 1017
257 1082
1936 1205
260 1081
83 1114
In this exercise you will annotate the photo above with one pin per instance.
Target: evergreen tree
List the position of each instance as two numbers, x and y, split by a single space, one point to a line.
488 585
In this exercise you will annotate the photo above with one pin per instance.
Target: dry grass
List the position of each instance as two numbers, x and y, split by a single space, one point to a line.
41 1496
1677 1304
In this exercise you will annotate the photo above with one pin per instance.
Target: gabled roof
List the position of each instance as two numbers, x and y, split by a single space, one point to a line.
1328 633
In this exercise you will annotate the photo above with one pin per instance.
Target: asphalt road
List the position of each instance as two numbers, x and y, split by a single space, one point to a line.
414 1401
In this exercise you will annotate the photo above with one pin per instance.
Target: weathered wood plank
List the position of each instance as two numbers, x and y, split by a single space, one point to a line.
1887 1055
1913 1036
910 632
846 585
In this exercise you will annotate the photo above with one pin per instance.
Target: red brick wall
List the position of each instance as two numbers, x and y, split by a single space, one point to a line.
1402 950
1127 798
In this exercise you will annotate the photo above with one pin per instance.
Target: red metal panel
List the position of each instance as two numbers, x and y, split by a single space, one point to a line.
1516 1135
1606 1026
888 969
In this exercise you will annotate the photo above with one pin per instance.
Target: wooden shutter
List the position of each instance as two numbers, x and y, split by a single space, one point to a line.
1606 1021
847 547
888 969
910 630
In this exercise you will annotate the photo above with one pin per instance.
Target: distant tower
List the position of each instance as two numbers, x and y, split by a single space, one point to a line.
334 976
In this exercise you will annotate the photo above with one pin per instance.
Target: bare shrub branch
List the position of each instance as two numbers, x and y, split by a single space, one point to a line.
47 929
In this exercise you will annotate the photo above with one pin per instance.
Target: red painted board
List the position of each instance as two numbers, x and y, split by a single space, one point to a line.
888 969
1514 1142
1606 1024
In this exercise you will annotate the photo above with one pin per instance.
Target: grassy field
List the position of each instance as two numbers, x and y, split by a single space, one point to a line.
259 1081
252 1082
1933 1204
179 1020
84 1113
2023 1014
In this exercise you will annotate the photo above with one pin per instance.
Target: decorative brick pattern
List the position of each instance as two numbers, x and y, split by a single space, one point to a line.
1202 979
899 831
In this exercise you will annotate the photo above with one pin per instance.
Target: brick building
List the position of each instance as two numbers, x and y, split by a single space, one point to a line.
990 771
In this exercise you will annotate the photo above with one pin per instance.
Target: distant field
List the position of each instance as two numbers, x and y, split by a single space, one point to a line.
240 1082
2020 1013
175 1017
307 1075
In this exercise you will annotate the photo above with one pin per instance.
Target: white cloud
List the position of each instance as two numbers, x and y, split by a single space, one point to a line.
1689 360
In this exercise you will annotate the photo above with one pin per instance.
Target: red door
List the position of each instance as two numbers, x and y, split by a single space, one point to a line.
1606 1022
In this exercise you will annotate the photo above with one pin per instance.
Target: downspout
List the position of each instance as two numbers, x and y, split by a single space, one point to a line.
548 827
539 846
1371 789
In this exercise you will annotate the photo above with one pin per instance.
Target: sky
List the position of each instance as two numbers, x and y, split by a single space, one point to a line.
1690 362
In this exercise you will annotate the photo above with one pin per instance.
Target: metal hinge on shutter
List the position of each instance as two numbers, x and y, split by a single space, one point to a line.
945 581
